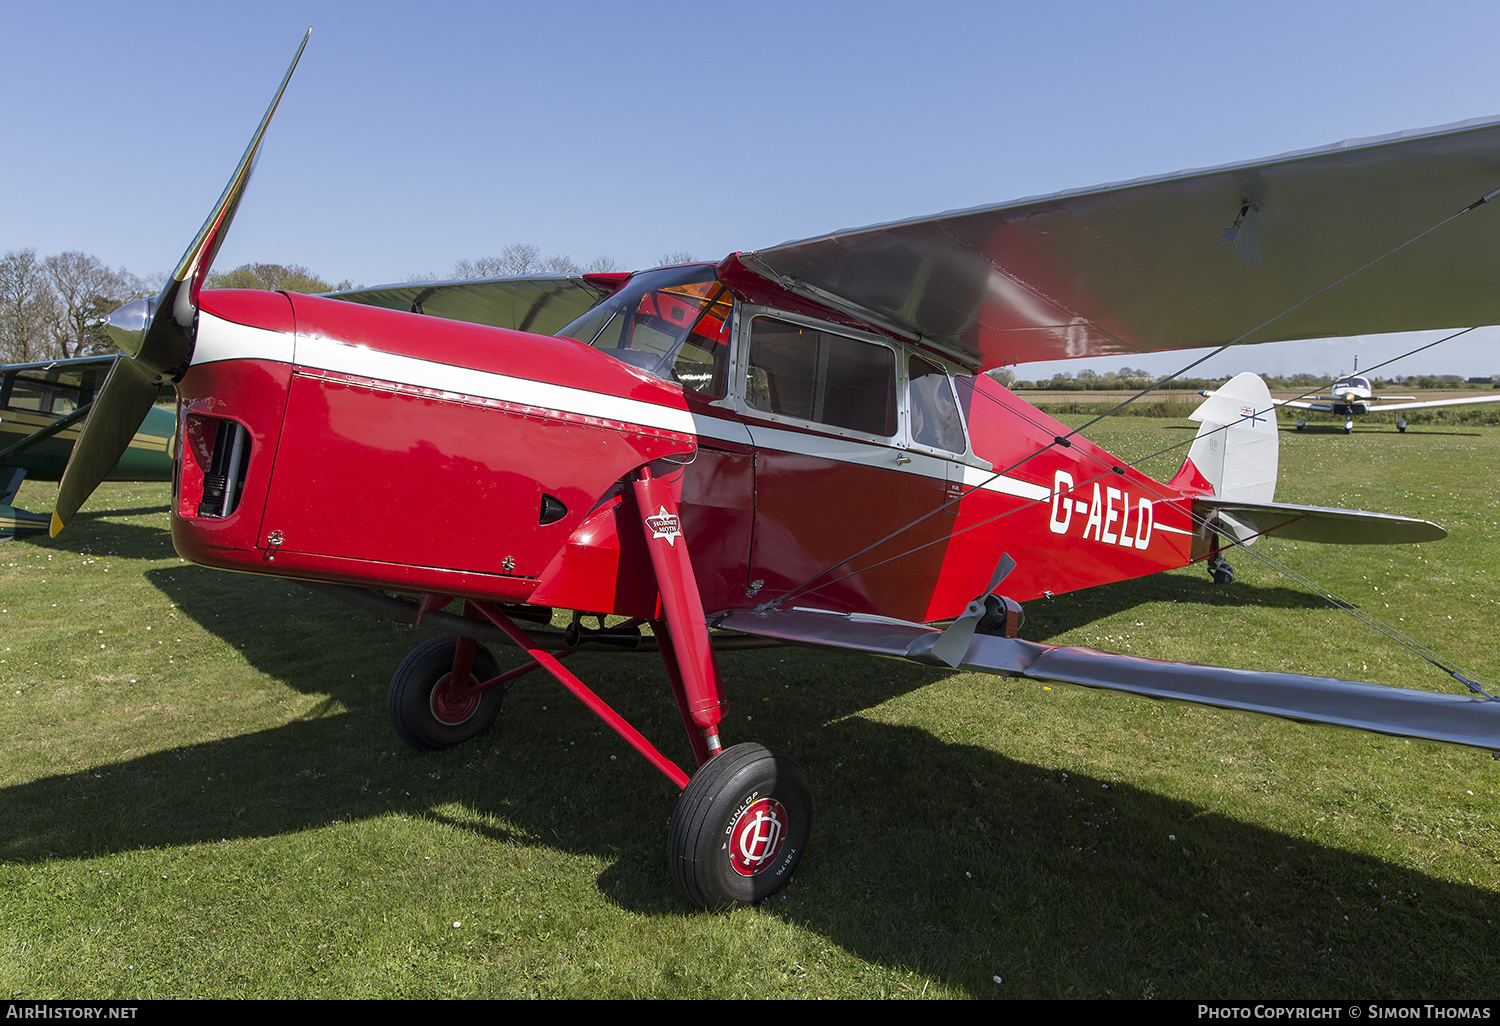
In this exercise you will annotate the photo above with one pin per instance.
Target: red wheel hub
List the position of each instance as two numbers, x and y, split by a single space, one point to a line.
451 704
757 836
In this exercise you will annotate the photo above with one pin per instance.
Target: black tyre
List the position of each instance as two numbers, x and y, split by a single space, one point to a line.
740 827
430 714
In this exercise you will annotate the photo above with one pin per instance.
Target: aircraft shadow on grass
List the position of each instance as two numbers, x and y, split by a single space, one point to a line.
108 530
238 609
987 866
951 860
1049 617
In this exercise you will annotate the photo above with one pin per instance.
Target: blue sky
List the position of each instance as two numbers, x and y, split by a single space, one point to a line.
414 135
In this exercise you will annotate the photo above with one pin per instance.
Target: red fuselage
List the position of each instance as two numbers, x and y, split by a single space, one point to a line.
406 452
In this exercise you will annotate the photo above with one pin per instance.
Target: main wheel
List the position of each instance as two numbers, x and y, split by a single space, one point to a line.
1401 426
427 711
1301 423
1348 427
740 827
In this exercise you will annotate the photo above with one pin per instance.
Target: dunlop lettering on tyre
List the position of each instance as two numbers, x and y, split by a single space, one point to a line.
740 827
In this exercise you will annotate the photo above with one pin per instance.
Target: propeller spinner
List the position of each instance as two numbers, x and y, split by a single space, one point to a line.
156 338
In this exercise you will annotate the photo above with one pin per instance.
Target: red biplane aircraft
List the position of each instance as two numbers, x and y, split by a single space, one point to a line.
795 444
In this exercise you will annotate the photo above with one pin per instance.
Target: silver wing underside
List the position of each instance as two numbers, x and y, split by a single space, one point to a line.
1142 266
1402 712
543 305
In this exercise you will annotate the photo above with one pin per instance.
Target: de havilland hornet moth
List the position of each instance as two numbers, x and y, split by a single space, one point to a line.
796 444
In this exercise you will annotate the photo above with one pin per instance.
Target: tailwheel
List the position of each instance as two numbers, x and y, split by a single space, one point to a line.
739 828
428 711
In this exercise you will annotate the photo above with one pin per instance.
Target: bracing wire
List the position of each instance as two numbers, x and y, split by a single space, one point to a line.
1064 440
1154 488
804 587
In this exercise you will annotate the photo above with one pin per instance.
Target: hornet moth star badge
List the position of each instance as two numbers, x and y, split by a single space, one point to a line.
664 525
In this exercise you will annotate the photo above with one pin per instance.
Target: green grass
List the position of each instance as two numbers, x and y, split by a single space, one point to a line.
212 803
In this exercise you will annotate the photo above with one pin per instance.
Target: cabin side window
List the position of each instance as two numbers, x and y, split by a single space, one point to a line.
815 375
23 395
33 395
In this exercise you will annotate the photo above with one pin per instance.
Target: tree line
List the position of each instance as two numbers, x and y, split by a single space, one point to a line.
54 307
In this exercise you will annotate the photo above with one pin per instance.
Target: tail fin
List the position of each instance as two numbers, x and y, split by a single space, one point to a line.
1236 452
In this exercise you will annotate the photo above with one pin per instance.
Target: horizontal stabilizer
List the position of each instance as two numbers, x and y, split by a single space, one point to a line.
1316 523
1402 712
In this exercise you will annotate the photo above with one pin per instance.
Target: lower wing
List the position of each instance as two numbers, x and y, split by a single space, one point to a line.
1402 712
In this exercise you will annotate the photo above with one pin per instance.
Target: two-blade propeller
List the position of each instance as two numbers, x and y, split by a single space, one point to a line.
155 337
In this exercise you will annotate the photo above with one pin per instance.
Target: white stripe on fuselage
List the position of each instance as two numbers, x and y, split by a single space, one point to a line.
220 340
341 357
224 340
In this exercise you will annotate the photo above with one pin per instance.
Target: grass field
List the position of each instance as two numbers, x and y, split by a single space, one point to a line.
200 795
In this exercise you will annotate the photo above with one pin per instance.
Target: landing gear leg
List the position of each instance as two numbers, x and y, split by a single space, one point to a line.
742 822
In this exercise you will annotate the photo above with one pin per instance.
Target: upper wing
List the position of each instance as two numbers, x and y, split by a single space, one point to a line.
542 305
1473 401
1143 266
1458 719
